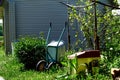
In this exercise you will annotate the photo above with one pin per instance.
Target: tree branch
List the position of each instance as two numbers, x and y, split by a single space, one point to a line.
108 5
76 7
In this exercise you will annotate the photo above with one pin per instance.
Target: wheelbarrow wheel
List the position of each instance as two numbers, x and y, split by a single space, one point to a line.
41 65
54 65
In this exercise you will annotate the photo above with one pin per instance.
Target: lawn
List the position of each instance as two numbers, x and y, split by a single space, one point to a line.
11 69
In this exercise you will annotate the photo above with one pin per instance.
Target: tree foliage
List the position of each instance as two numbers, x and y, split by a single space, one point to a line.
108 31
107 25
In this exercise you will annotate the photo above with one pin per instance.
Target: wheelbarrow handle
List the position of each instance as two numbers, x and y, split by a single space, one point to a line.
48 35
62 33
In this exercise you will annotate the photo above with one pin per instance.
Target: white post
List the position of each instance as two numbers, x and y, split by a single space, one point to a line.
116 11
118 2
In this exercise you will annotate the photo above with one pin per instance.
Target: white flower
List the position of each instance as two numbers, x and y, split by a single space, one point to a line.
117 32
111 49
1 78
109 38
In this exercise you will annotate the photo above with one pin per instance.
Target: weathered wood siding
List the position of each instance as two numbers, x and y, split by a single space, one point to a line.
33 17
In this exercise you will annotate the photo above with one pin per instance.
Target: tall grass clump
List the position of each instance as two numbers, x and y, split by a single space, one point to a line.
29 50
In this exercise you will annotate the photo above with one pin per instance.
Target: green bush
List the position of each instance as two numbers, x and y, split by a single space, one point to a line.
29 50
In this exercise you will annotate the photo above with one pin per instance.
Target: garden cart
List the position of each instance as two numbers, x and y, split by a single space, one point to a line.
54 51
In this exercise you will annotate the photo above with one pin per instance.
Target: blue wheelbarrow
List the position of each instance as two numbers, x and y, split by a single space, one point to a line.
54 51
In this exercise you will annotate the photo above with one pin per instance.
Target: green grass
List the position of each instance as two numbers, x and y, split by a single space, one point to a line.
10 69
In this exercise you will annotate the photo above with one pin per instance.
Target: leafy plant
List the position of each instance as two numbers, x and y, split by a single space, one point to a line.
29 50
108 31
107 25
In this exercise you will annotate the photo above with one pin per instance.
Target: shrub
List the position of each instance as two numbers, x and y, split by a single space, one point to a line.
29 50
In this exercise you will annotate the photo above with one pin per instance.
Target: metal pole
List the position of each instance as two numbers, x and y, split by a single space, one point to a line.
96 38
68 35
48 35
62 34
